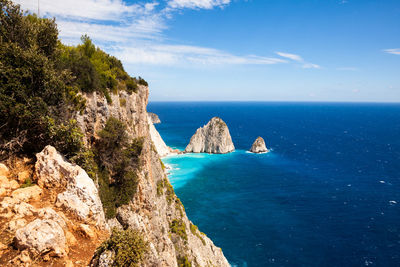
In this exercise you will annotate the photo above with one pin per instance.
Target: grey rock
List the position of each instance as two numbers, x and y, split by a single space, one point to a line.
80 197
42 236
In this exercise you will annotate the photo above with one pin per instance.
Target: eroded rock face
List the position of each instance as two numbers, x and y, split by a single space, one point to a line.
214 138
42 236
154 118
162 149
259 146
80 196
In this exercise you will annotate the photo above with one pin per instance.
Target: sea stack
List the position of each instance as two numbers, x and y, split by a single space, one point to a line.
213 138
154 118
259 146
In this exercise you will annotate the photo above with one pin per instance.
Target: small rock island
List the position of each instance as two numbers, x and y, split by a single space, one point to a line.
213 138
259 146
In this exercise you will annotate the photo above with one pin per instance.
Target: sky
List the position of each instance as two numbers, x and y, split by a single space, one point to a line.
244 50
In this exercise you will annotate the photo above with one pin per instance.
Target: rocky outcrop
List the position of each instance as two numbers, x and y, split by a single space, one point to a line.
80 195
214 138
259 146
154 118
42 236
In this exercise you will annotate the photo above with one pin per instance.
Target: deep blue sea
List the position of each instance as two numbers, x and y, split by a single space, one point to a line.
327 195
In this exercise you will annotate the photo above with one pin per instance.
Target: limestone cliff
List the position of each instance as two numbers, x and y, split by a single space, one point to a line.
259 146
64 205
214 138
155 206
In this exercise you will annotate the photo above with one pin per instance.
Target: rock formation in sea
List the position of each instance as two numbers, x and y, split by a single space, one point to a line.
60 215
154 118
259 146
214 137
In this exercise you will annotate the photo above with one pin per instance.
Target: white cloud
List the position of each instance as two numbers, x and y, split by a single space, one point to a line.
111 10
197 4
394 51
310 66
182 54
290 56
294 57
348 69
134 33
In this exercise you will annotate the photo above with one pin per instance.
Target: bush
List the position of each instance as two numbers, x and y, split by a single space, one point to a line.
178 227
183 262
131 85
128 245
195 231
142 81
118 161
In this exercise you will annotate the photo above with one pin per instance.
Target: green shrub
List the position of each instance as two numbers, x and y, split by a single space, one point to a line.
122 102
86 160
142 81
128 245
195 231
183 262
178 227
119 162
131 85
27 183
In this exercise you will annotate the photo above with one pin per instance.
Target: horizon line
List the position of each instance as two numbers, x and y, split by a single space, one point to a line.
279 101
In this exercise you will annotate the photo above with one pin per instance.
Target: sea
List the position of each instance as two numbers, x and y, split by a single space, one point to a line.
327 193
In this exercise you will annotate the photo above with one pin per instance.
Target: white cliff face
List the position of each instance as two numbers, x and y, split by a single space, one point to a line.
162 149
214 138
80 195
259 146
128 108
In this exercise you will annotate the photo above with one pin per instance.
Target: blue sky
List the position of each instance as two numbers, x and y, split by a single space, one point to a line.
262 50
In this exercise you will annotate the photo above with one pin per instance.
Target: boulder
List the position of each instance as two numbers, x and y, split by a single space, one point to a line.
50 214
14 225
80 195
27 193
4 171
24 209
42 236
213 138
259 146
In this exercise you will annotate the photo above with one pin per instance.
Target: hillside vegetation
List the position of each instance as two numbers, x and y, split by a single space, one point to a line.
42 81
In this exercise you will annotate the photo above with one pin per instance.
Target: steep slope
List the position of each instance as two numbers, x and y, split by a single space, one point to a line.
155 209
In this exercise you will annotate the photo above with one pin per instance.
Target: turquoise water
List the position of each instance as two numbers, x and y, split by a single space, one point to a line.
327 195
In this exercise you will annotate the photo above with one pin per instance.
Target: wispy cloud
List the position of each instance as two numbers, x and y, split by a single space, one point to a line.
197 4
394 51
290 56
310 66
347 69
297 58
182 54
135 32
